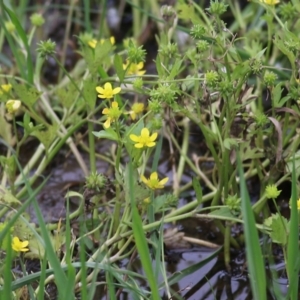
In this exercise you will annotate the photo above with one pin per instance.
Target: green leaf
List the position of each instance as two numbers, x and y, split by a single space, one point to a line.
27 124
68 95
279 42
5 242
175 69
293 253
7 198
118 64
47 136
230 143
27 95
198 189
164 202
89 92
108 133
255 262
187 12
276 95
22 34
139 236
224 212
5 131
159 68
294 160
279 228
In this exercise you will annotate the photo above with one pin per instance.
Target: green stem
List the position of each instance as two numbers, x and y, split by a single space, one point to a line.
92 147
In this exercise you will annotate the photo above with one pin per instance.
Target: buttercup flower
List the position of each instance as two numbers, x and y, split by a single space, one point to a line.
144 140
92 43
19 246
270 2
6 87
136 108
272 192
134 69
107 92
112 113
12 106
153 182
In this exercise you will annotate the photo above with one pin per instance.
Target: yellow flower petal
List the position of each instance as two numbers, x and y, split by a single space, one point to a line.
112 40
105 111
145 133
134 138
100 89
164 181
107 123
154 176
139 145
151 144
24 244
153 137
107 86
92 43
116 90
132 115
114 104
140 65
144 179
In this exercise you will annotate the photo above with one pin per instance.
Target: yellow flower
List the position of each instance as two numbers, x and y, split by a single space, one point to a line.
19 246
12 106
134 69
112 113
153 182
92 43
272 192
136 108
144 140
270 2
6 87
147 200
107 92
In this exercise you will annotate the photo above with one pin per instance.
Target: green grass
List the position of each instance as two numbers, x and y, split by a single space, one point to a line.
222 98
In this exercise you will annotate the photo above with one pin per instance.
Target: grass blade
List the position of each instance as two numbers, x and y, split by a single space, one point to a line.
253 251
293 246
140 239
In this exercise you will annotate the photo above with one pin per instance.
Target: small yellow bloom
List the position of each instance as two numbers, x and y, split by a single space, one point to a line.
144 140
134 69
272 192
112 114
107 92
147 200
270 2
136 108
6 87
19 246
92 43
153 182
12 106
